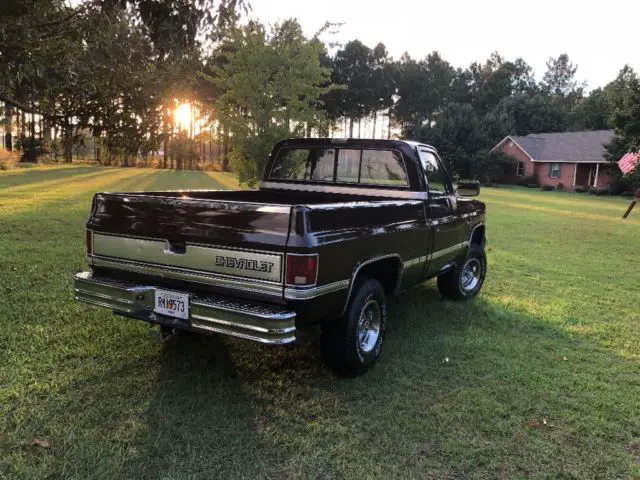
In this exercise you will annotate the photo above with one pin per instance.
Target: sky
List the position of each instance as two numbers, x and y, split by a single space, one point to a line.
599 37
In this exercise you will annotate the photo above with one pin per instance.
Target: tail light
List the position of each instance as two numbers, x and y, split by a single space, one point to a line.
89 241
302 270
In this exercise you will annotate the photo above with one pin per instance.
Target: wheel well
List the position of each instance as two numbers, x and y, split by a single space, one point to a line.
477 236
386 271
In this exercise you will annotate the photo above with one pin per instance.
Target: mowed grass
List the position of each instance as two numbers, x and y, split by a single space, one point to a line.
537 378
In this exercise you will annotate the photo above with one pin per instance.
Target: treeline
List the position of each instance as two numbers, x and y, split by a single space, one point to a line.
119 68
466 112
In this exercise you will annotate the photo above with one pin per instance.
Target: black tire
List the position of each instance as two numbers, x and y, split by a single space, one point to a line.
456 284
347 349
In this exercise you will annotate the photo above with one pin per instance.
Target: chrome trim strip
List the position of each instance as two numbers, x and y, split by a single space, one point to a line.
98 303
379 203
284 316
255 328
103 295
191 276
367 262
244 336
473 230
372 192
260 207
307 293
274 209
445 220
415 261
259 266
446 251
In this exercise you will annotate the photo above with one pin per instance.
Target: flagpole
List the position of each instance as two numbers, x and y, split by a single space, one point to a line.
631 205
627 164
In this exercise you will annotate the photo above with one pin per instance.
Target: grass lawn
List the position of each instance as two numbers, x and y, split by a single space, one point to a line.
539 377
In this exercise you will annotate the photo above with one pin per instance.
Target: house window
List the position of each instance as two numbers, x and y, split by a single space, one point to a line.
554 170
520 169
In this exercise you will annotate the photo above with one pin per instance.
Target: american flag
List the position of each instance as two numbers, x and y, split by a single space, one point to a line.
628 162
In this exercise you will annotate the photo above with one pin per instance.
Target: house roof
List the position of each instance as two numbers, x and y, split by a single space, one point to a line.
582 147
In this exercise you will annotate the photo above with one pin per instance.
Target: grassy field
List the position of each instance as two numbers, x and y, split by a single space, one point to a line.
537 378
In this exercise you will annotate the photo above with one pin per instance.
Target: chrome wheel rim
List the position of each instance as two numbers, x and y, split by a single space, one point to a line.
369 325
471 274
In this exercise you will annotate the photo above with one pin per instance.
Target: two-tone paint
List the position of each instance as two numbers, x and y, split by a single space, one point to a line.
235 243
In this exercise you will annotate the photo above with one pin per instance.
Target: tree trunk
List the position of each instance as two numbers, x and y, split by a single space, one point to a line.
68 141
165 135
18 122
225 161
375 118
308 129
389 124
359 127
54 142
350 127
8 141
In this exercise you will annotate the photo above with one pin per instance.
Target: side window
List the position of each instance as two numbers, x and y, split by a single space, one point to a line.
436 178
304 164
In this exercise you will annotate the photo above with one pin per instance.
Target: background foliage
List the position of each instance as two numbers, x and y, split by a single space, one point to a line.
119 68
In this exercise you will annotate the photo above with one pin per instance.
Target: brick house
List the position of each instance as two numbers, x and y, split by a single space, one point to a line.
570 158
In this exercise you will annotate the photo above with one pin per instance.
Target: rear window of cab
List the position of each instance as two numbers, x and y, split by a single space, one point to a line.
340 165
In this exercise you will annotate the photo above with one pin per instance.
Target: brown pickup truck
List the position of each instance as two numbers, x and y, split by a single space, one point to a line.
336 227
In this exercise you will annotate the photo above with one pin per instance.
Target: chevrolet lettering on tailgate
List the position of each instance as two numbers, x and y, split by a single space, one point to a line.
244 264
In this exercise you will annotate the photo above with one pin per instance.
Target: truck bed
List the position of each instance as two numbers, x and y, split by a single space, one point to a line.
234 236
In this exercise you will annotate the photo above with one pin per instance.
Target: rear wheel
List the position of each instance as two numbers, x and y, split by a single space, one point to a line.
352 345
466 279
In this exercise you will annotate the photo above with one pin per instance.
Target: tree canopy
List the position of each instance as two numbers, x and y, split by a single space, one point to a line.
119 68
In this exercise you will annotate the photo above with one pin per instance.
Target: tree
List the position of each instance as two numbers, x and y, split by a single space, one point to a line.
352 70
532 113
458 134
623 94
488 166
423 89
593 112
559 80
271 84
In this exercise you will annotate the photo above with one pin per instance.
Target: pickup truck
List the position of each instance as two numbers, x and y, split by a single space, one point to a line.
336 227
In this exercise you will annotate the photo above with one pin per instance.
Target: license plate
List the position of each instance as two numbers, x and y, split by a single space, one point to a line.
172 304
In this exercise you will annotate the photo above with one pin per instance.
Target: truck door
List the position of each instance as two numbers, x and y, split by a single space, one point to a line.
450 229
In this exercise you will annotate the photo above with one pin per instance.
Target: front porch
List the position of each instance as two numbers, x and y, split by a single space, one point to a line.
591 175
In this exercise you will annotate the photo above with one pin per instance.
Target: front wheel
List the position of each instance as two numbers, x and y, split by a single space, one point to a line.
352 345
466 279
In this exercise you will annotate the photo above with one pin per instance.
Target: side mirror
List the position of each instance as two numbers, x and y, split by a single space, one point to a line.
468 188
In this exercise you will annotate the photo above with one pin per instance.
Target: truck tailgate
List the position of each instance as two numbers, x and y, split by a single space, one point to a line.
217 236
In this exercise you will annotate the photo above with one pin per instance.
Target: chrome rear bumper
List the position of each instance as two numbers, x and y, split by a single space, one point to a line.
261 323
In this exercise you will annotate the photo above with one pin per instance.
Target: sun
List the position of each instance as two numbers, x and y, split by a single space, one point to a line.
183 116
